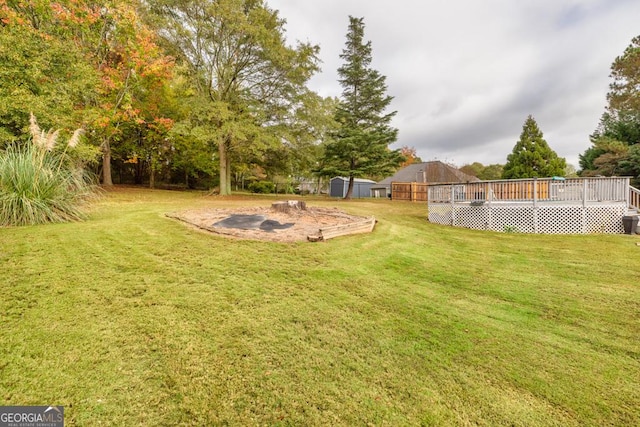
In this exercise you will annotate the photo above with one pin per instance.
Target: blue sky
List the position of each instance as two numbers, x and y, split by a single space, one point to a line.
465 74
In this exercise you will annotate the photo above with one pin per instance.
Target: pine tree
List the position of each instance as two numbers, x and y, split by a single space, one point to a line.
360 146
620 122
624 94
532 157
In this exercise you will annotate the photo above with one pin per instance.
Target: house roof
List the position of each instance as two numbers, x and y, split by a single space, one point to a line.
431 172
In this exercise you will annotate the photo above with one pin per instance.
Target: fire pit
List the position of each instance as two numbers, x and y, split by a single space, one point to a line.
288 221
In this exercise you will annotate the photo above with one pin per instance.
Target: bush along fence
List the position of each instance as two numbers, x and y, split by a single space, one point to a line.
546 206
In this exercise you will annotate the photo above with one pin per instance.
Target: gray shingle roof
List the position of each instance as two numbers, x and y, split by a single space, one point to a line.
430 172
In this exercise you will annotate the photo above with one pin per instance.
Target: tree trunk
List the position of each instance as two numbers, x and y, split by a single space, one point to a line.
106 164
286 207
152 175
138 175
225 168
228 168
349 189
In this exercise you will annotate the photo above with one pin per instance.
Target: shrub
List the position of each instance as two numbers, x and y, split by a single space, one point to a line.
262 187
39 184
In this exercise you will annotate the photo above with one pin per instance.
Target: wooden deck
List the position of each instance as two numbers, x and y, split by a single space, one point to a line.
550 206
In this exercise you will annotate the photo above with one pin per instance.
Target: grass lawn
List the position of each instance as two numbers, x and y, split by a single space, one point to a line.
131 318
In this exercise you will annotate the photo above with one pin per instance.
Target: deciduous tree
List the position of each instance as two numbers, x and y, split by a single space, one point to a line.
132 69
305 133
485 173
41 69
473 169
80 62
240 66
410 156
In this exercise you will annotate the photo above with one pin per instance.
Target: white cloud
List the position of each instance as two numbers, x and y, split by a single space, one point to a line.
465 74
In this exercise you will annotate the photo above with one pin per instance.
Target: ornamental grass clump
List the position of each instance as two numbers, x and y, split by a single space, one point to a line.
41 182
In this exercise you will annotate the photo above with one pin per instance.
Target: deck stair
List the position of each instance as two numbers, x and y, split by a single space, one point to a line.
634 204
634 199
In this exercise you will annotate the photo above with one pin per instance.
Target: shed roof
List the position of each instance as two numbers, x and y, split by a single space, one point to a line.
362 180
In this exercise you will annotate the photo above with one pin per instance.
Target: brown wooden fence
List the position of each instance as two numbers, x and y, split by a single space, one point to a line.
410 191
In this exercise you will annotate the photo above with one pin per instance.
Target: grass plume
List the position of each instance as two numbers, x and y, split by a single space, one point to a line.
39 184
75 138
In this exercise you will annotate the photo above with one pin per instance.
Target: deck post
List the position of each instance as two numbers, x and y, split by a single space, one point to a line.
535 205
583 212
627 191
453 206
489 198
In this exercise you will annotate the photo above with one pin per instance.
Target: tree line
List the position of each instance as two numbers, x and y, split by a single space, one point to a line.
210 93
615 144
204 93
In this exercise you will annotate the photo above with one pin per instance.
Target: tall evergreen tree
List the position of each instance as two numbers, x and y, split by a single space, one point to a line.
360 146
532 157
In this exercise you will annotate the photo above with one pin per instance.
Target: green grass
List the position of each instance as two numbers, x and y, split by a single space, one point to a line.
131 318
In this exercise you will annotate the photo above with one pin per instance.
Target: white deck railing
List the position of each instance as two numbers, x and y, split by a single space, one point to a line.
533 191
547 205
634 198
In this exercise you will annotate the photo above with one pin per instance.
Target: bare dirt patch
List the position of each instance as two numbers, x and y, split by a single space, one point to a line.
306 222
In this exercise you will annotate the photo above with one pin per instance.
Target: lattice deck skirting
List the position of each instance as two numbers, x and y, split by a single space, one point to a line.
525 218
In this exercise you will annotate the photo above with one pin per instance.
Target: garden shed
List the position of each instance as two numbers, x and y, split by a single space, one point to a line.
340 184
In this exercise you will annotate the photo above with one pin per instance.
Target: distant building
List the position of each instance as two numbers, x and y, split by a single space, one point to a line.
434 172
312 187
361 187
